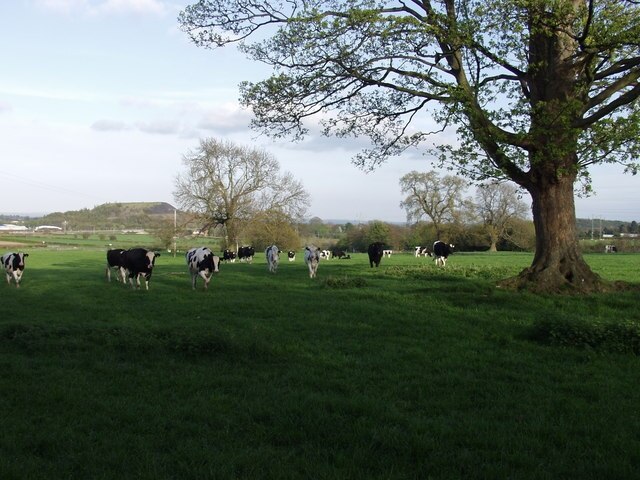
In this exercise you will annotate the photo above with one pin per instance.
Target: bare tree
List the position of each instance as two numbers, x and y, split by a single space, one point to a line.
537 90
498 205
227 184
429 195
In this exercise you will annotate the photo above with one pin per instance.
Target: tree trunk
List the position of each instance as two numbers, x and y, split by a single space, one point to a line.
558 265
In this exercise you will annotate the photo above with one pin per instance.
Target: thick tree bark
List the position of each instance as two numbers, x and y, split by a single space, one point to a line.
558 265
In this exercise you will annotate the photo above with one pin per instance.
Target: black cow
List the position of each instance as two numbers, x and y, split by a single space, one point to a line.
337 253
441 252
139 261
375 253
115 261
245 254
13 264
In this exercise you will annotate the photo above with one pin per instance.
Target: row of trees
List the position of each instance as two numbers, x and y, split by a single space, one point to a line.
242 192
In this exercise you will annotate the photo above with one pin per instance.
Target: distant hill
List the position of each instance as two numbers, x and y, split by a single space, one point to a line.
111 216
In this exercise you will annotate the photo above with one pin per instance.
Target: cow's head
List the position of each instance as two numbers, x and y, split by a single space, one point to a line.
15 261
151 259
211 263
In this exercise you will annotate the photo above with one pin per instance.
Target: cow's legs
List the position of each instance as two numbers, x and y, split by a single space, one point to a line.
206 279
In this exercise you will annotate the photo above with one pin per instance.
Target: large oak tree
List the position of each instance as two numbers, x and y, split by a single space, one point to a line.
538 90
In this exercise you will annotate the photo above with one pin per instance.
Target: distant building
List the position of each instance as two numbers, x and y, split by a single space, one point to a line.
13 228
48 228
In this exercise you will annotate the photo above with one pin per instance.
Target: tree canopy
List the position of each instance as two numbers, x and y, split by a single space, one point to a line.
537 90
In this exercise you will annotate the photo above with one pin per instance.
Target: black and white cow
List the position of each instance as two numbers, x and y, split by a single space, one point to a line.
229 256
202 262
375 253
312 259
245 254
424 251
273 257
13 264
441 252
139 262
115 261
291 255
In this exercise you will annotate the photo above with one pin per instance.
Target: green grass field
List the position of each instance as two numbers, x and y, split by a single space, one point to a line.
401 372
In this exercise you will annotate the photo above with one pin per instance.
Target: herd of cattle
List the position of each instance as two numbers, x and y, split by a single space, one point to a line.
137 263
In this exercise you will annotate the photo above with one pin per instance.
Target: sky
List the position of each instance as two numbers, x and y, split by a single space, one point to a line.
101 99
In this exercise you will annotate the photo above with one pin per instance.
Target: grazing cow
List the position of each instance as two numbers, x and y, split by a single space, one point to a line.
115 261
337 253
441 252
610 249
229 256
326 254
387 253
375 253
312 259
291 255
424 251
273 257
13 264
139 262
245 254
202 262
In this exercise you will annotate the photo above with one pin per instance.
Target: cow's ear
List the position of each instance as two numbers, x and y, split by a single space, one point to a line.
26 255
157 254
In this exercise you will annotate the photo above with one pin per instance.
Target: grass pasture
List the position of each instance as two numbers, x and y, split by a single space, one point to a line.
404 372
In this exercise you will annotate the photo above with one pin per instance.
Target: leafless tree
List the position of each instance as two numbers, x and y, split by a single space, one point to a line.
227 184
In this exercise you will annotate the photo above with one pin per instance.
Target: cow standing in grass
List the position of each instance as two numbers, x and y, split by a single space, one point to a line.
441 252
202 263
139 262
273 257
312 259
13 264
375 253
115 261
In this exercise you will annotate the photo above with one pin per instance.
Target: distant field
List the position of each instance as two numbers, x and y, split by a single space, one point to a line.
404 371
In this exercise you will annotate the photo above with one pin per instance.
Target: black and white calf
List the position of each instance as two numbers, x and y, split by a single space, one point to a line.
115 261
202 262
312 259
13 264
441 252
424 251
273 257
375 253
291 255
139 262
